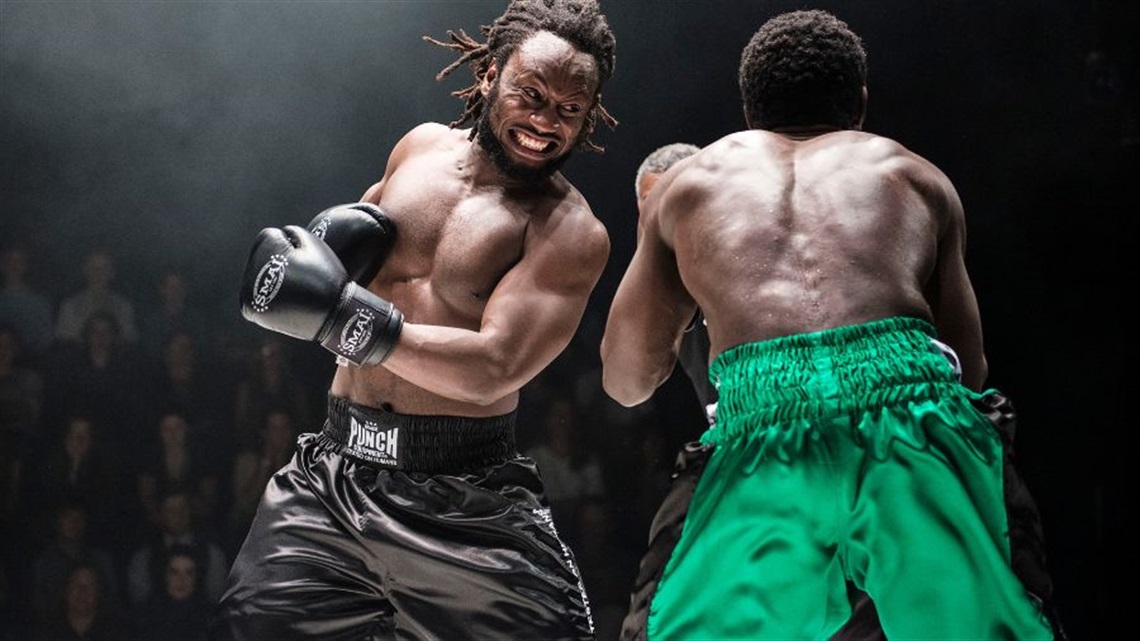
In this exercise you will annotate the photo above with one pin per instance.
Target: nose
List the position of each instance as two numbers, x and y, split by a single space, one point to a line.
545 119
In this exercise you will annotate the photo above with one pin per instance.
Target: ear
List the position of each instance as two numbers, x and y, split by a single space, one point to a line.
862 115
489 79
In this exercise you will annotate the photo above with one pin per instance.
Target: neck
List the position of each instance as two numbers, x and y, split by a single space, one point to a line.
803 132
477 166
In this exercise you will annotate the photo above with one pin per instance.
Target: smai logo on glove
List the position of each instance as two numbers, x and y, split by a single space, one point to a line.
321 227
357 332
268 282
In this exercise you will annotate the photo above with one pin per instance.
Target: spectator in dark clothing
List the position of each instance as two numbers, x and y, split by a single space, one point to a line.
183 385
177 462
75 466
97 297
21 389
269 384
252 469
23 307
171 314
571 472
179 611
82 612
21 399
103 377
145 572
68 548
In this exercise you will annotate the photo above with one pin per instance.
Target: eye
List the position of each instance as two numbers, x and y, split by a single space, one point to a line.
571 109
532 93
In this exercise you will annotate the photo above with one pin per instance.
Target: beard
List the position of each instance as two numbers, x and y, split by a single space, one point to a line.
494 148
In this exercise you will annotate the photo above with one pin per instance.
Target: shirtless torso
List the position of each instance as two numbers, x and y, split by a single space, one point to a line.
492 278
773 234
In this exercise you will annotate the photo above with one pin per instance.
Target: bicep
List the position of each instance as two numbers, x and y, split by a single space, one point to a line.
536 307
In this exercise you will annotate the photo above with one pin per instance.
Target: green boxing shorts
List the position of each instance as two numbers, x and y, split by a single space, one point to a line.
848 454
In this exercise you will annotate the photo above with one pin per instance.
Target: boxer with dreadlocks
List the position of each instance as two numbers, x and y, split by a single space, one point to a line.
411 513
576 22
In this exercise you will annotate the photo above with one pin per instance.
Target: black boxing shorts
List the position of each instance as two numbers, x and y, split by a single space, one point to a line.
391 526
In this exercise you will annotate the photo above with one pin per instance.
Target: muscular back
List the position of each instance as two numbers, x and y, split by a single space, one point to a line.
773 235
460 232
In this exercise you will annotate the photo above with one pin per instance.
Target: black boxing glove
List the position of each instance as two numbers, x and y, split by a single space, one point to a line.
295 285
360 234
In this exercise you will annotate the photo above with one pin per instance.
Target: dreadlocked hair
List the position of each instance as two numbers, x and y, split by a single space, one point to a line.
579 22
803 68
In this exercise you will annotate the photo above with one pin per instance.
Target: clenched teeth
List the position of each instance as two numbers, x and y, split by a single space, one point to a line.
530 143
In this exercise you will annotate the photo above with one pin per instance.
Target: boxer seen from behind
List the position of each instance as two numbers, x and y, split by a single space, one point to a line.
852 441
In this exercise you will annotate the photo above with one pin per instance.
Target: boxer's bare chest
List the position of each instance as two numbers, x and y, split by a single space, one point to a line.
455 239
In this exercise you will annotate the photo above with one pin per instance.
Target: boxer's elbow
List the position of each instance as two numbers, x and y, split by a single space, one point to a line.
623 392
485 390
495 378
624 377
627 386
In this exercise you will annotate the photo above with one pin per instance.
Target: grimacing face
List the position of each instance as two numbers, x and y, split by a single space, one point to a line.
537 105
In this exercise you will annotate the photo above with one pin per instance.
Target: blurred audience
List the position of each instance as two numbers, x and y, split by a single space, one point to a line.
75 466
24 307
270 383
97 296
70 547
606 563
179 611
21 402
570 469
253 467
176 462
171 314
649 474
102 376
176 527
21 389
82 611
185 384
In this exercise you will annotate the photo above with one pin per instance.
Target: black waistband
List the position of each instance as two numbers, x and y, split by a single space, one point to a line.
418 443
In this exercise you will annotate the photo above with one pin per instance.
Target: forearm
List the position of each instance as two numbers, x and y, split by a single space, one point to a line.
640 345
632 372
461 364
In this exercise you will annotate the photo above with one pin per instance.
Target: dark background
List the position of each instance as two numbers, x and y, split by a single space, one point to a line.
173 131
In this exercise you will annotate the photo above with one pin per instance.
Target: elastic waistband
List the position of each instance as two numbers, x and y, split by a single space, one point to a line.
834 371
419 443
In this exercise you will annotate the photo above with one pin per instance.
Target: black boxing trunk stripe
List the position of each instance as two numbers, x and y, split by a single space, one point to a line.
433 444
